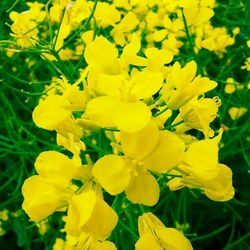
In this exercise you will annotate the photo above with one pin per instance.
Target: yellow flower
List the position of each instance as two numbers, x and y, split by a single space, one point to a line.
85 241
120 102
247 64
41 199
88 212
55 111
235 113
132 169
106 14
198 114
50 114
213 39
124 27
171 44
220 188
60 244
154 235
200 162
200 169
74 147
230 86
48 191
182 85
196 12
53 190
23 29
155 58
4 215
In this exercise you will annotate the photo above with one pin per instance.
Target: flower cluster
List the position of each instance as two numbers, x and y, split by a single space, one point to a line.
153 114
158 22
146 109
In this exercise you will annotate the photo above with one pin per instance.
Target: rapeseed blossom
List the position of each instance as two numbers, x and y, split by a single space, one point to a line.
136 115
161 151
154 235
118 95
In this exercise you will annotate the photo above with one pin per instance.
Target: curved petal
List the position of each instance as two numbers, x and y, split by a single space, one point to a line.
105 245
167 238
200 85
147 242
199 114
157 58
130 51
167 153
131 117
137 145
143 188
42 199
57 168
172 239
201 161
100 51
112 172
221 188
147 222
49 113
89 212
100 110
110 85
146 83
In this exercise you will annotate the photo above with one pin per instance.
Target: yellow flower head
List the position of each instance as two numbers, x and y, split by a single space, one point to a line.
154 235
147 149
182 85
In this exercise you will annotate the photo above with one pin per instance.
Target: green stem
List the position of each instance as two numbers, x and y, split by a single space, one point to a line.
209 235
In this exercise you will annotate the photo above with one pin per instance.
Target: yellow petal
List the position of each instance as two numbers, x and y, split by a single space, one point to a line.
198 114
63 32
220 188
200 85
143 188
42 199
185 75
100 51
230 88
100 110
147 242
73 146
167 153
49 114
130 51
105 245
167 238
157 58
133 47
137 145
90 213
159 35
108 170
147 223
87 36
236 113
57 168
131 117
201 159
172 239
146 83
110 84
